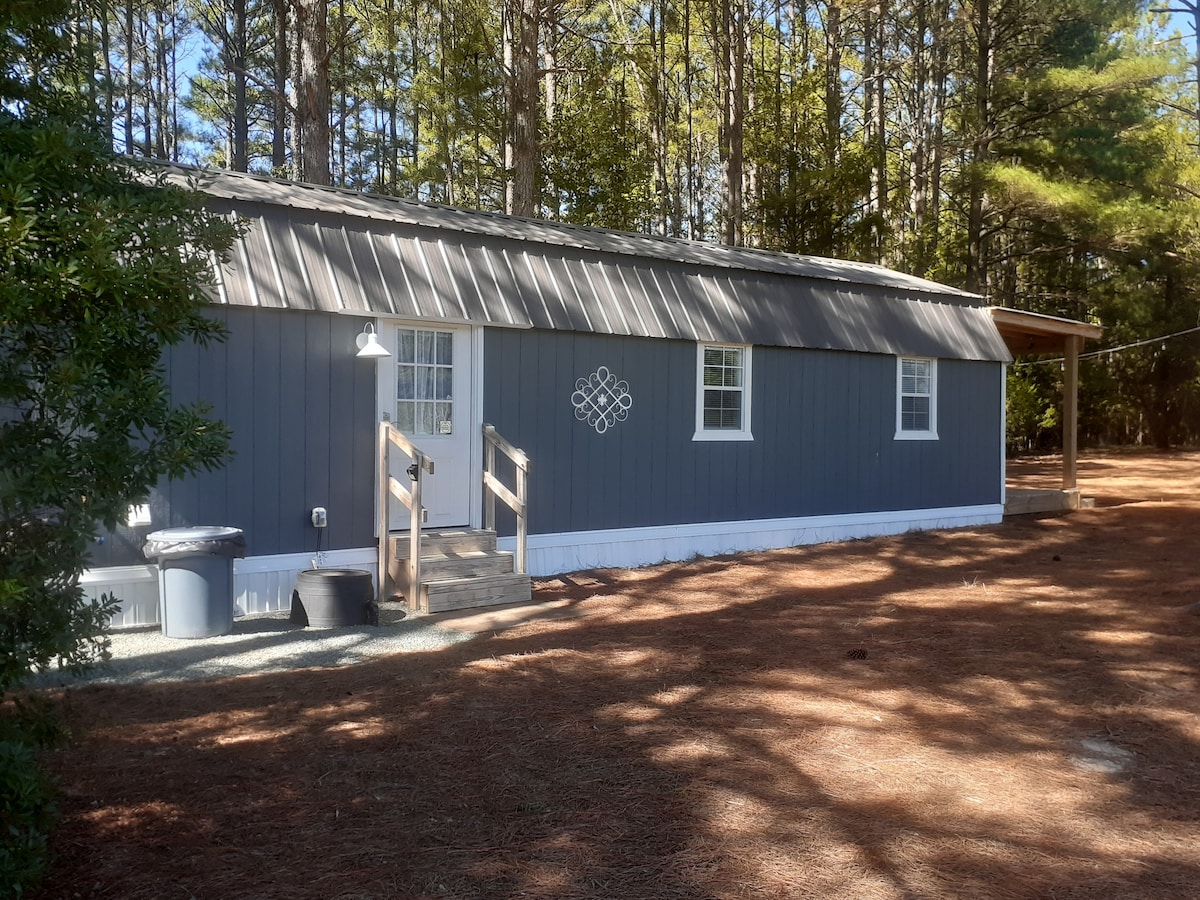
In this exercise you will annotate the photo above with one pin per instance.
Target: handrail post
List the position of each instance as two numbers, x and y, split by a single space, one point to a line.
383 512
489 466
414 539
522 517
494 488
388 435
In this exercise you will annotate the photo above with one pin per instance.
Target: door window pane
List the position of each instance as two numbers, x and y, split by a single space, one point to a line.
425 348
424 381
405 347
405 386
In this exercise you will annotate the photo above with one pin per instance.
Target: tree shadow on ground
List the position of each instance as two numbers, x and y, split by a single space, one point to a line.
704 732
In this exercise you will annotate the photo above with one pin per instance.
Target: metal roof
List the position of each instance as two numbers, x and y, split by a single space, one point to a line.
329 249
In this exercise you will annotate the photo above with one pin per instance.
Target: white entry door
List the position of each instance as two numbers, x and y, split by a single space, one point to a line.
428 382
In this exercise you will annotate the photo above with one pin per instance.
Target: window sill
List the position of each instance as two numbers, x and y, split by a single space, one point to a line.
722 436
916 436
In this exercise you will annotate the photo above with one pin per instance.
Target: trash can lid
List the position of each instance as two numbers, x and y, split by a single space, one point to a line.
195 533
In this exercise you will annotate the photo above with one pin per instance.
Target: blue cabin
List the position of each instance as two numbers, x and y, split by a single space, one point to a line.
671 397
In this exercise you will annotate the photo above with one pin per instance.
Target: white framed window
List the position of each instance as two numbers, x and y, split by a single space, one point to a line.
722 393
916 399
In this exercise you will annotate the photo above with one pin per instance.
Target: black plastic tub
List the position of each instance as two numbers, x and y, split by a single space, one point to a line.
328 598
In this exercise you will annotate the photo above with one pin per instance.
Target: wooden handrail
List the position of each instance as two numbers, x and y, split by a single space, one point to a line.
390 486
493 488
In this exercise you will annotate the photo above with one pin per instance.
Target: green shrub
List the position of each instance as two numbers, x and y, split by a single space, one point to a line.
27 810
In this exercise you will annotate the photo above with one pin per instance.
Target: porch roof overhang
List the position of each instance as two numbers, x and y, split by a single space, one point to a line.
1033 333
1027 333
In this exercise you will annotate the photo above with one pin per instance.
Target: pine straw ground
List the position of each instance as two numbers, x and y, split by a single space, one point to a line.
702 732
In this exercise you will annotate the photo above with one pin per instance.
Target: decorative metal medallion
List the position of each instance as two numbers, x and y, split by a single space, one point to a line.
601 400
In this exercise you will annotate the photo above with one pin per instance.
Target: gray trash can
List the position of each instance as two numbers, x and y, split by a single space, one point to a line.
195 578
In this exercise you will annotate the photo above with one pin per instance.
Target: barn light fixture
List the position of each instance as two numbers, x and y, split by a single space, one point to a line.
368 344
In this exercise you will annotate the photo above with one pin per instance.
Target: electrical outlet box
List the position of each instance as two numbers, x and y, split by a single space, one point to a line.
320 518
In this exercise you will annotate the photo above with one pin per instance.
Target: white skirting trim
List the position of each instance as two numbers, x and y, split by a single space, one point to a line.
260 583
550 554
264 583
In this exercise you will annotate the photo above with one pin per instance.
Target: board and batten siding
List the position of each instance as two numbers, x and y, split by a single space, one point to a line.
823 422
302 412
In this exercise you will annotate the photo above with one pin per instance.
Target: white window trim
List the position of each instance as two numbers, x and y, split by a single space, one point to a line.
931 433
720 434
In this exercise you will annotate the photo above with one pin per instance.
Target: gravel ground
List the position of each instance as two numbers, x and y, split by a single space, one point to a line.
257 644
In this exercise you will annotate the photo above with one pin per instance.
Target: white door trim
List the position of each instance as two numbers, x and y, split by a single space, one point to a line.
385 401
476 344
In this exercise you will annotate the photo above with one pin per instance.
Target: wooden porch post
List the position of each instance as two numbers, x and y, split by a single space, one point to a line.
1074 343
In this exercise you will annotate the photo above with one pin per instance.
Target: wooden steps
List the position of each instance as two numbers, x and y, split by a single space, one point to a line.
1023 501
460 569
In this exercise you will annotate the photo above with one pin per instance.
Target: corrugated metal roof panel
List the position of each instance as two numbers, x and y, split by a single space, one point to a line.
310 260
530 289
313 260
550 291
414 256
591 296
500 290
566 294
714 308
221 271
462 262
510 266
340 269
394 273
664 307
639 278
259 259
245 187
579 299
626 301
668 289
361 279
441 279
619 316
365 256
287 267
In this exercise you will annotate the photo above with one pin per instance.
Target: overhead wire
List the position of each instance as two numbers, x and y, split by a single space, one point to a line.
1111 350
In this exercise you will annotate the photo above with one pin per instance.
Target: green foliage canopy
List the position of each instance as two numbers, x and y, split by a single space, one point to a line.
101 265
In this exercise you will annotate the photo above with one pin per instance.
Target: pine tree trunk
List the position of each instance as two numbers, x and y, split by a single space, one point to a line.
833 84
550 88
976 279
912 237
129 94
241 129
312 90
160 93
877 31
521 156
730 64
825 229
280 105
937 143
107 69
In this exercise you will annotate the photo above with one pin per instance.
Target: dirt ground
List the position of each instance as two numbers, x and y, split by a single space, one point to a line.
1024 724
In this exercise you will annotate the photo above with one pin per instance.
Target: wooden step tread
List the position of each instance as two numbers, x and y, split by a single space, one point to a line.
481 590
434 543
463 554
474 563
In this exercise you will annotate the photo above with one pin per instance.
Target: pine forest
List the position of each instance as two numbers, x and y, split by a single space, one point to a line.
1043 153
